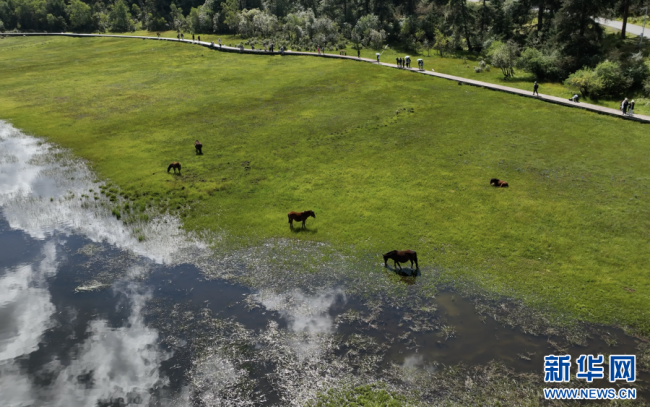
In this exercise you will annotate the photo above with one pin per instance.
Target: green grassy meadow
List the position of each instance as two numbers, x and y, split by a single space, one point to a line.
386 159
455 65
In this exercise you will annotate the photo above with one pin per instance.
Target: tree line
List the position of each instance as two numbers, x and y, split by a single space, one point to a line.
550 38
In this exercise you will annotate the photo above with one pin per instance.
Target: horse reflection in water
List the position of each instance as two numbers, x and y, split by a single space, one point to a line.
402 256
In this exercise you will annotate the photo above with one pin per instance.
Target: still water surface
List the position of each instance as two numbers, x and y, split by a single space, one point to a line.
90 315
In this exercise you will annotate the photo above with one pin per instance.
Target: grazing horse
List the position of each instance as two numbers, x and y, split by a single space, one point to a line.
198 146
300 217
498 183
174 166
401 256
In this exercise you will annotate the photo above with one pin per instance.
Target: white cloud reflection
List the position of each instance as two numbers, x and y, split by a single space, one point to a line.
40 191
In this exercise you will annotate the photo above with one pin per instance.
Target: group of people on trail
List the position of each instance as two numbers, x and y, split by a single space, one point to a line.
627 107
404 62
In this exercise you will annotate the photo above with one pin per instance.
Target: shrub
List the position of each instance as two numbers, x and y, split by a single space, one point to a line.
542 66
636 69
586 82
504 57
646 87
614 80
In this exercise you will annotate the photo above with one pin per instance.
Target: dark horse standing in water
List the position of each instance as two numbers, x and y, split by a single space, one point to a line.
175 166
198 146
300 217
402 256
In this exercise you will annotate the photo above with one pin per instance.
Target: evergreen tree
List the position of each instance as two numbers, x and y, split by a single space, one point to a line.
461 19
577 33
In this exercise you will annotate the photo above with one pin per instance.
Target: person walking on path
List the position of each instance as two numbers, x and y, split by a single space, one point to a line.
397 62
535 87
219 42
199 38
158 35
178 36
625 106
358 53
192 37
631 110
182 36
378 57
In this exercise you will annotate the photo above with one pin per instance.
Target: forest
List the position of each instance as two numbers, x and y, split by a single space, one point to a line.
554 40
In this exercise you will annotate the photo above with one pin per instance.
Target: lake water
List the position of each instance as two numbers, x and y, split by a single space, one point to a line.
92 315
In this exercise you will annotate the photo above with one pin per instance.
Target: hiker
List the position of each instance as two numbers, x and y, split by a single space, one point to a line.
420 64
253 47
318 49
378 55
199 38
625 106
192 37
178 36
631 110
358 53
535 87
158 35
182 36
574 98
219 42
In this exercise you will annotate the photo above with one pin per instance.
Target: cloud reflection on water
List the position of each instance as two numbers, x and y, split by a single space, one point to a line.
40 194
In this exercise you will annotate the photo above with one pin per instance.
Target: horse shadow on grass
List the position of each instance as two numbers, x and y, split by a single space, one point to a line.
304 230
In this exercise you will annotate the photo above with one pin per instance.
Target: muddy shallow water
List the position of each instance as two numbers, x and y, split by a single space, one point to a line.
92 315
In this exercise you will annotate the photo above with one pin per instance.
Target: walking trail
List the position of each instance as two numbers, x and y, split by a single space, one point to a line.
463 81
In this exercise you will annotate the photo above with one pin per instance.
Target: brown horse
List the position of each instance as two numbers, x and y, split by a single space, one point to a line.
300 217
175 166
498 183
198 146
402 256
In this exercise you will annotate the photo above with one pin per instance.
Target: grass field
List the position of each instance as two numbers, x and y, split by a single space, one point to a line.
464 68
387 160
